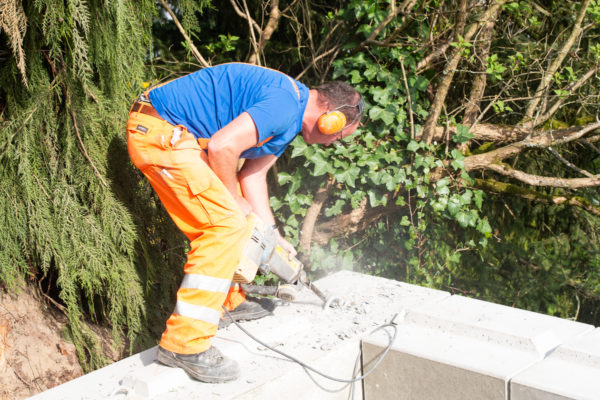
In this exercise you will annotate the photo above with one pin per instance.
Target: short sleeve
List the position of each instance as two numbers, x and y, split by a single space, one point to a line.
274 112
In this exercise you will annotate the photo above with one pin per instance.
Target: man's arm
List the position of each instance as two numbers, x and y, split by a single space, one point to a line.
253 181
224 151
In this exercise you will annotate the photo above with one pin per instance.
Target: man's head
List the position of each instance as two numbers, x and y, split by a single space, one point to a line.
333 112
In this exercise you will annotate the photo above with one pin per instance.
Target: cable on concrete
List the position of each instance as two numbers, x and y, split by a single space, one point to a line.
324 375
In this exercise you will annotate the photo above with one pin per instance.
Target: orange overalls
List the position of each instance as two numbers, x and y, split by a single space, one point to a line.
202 207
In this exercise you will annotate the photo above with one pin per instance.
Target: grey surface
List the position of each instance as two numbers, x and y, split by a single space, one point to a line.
328 340
572 371
402 376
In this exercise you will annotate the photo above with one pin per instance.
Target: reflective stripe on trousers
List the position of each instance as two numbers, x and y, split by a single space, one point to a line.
206 213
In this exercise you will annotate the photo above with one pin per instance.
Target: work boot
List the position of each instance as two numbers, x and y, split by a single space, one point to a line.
209 366
252 308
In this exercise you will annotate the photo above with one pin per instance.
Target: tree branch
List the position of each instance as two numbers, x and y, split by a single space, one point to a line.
568 163
449 70
242 14
571 89
480 81
549 74
537 180
193 48
426 62
306 233
357 220
493 186
542 140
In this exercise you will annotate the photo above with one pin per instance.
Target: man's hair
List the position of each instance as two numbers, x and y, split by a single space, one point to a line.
337 94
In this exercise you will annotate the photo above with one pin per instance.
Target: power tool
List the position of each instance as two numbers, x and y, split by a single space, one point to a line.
262 252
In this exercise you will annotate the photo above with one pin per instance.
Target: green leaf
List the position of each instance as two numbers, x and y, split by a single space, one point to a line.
454 205
443 190
299 146
284 177
412 146
463 219
321 167
462 134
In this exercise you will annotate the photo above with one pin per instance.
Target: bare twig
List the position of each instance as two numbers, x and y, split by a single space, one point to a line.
315 59
189 41
410 110
537 180
242 14
256 59
568 163
541 140
449 70
549 73
559 102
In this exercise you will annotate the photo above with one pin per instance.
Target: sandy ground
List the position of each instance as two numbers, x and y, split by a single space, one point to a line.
33 355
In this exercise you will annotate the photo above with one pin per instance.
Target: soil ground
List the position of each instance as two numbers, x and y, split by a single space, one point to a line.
33 355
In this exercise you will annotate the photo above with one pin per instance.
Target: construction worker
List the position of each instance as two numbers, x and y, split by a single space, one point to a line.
187 137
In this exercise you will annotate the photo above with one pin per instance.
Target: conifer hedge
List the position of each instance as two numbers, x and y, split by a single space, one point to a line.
75 216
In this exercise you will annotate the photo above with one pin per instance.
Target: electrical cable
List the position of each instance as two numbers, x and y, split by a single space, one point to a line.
324 375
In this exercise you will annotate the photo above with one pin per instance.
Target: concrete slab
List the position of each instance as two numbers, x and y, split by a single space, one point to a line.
328 340
572 371
462 348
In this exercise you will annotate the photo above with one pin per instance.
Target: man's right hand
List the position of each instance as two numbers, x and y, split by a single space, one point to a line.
244 205
287 246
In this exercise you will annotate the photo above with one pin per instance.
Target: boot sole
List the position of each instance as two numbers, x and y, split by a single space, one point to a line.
202 377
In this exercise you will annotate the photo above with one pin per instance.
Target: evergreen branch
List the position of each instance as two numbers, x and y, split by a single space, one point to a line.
13 22
85 153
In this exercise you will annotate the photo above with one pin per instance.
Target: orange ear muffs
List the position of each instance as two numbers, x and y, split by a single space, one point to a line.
331 122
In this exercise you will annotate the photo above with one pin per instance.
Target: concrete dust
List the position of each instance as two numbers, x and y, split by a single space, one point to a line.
360 311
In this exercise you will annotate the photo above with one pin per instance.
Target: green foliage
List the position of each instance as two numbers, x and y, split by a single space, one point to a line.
78 218
69 193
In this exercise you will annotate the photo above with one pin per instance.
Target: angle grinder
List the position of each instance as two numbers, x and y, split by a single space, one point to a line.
262 252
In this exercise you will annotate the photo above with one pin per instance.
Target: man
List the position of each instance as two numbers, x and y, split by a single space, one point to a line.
187 137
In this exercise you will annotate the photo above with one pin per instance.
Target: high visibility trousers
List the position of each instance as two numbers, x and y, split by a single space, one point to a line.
202 207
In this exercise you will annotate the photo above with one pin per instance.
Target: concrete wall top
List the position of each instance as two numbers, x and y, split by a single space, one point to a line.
572 371
491 339
506 326
328 339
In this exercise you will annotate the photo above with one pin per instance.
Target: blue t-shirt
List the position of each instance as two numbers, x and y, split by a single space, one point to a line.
208 99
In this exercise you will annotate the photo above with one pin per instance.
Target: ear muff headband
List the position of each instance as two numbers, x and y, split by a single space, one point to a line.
334 121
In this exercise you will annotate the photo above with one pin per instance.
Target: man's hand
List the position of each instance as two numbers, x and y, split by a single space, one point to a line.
287 246
245 206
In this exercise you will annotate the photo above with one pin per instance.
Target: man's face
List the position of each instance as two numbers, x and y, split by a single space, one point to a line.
314 136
